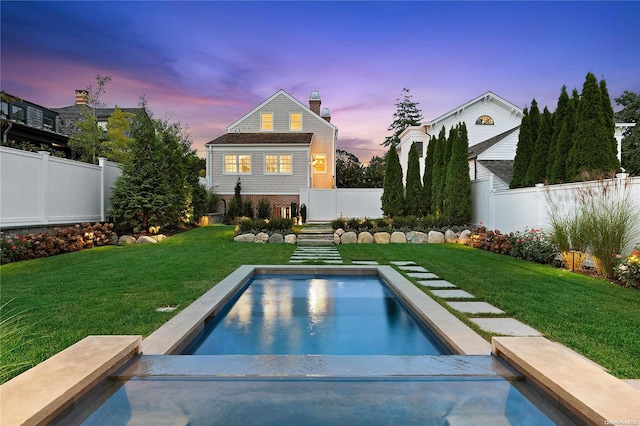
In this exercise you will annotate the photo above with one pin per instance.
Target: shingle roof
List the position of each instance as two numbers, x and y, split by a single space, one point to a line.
481 147
262 138
503 169
70 115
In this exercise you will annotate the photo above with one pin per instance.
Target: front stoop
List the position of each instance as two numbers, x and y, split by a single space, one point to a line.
316 235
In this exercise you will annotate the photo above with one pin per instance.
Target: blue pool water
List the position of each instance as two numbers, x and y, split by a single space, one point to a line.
316 315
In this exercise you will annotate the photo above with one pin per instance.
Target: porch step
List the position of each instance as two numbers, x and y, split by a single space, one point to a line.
315 239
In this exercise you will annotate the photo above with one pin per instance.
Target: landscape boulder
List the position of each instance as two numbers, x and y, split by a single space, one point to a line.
336 238
339 231
126 239
435 237
348 238
365 238
418 238
398 238
245 238
464 237
450 236
145 239
290 239
113 240
382 237
276 239
261 238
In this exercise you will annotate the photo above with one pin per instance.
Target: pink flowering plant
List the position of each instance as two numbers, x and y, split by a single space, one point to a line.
533 245
628 270
14 247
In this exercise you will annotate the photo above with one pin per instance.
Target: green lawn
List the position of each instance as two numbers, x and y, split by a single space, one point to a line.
116 290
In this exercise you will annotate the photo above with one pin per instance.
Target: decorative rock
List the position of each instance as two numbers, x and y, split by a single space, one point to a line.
398 238
290 239
245 238
113 240
450 236
365 238
262 238
348 238
276 239
419 238
435 237
126 239
410 236
339 231
160 237
146 240
464 237
382 237
336 238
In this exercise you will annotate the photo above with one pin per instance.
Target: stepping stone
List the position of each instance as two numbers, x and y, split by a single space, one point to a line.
402 262
505 327
452 294
364 262
412 268
436 283
423 275
475 308
333 261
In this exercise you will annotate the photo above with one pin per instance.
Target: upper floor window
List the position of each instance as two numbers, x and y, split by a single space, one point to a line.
277 164
266 121
47 122
419 148
17 113
5 109
484 119
295 121
237 163
319 163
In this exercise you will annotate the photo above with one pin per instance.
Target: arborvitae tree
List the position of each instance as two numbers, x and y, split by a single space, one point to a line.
439 173
592 140
631 142
524 150
427 177
412 205
536 172
457 197
534 116
118 141
393 191
565 140
610 125
407 114
559 116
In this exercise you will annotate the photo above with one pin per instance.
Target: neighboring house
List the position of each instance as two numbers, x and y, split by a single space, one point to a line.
276 150
492 125
24 122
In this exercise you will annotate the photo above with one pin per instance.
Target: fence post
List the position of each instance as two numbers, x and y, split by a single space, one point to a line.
541 204
102 162
44 187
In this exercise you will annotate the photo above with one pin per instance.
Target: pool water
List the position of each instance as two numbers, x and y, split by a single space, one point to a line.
324 315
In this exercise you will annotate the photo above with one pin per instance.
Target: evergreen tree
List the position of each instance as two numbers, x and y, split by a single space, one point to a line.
559 117
565 141
592 141
631 142
393 190
536 172
439 173
524 150
407 114
457 198
374 173
534 116
413 195
427 177
118 141
349 172
610 125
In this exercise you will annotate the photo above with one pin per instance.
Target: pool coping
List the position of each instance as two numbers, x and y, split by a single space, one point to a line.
173 336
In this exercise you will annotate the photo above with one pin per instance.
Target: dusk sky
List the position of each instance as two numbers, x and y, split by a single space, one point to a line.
205 64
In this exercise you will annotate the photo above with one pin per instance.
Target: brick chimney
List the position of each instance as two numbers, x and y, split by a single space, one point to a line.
314 101
326 114
82 97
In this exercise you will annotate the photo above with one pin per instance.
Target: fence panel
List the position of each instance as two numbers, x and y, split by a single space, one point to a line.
21 187
324 205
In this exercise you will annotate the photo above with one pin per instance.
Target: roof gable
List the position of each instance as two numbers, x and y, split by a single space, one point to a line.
481 147
489 96
270 99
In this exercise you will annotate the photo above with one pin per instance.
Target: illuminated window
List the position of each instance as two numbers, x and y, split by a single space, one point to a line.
266 121
277 164
319 163
484 120
295 120
235 164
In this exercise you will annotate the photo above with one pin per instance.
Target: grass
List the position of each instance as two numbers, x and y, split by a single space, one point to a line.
116 290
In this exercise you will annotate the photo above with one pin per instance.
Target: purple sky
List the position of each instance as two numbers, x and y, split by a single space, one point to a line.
207 63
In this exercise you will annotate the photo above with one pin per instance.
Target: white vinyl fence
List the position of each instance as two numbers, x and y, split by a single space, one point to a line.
324 205
37 189
517 209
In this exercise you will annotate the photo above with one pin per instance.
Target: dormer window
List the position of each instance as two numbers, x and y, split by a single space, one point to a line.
485 120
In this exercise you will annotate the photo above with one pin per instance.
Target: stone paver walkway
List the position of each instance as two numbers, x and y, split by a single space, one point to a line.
324 254
505 326
436 283
475 308
452 294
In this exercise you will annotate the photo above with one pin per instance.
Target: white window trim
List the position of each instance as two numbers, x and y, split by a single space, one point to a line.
326 166
273 119
301 122
278 159
238 172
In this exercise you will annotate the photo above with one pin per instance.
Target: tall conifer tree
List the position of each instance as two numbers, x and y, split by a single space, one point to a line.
559 117
534 116
407 114
413 191
536 172
523 151
565 140
427 177
610 125
457 198
393 190
439 173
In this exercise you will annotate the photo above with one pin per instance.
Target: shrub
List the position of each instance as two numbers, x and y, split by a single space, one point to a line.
339 223
247 209
365 225
381 223
628 271
404 223
353 224
213 202
264 208
533 245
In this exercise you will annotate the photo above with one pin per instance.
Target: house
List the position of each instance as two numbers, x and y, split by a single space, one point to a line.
492 125
26 125
276 150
